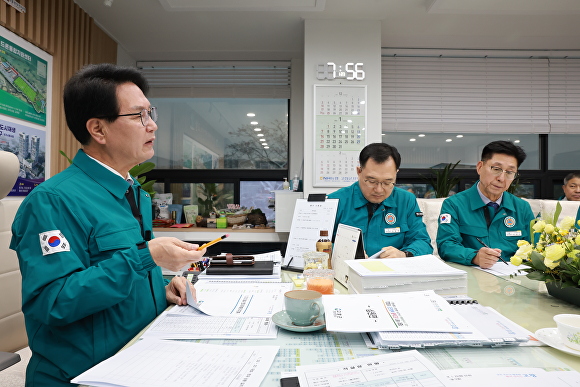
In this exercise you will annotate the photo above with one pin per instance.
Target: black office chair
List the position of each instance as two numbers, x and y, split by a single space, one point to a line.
8 359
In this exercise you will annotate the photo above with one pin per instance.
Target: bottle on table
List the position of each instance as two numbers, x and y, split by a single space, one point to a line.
325 245
286 184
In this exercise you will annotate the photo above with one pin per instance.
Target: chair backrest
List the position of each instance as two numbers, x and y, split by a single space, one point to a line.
12 332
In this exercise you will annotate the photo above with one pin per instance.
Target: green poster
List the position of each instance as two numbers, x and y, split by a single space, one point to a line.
23 83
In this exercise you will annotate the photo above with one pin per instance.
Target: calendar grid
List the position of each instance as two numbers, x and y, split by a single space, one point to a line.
339 133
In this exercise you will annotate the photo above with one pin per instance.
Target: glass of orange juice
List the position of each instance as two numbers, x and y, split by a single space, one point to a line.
321 280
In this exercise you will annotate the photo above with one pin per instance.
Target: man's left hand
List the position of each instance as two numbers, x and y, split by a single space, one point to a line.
175 291
391 252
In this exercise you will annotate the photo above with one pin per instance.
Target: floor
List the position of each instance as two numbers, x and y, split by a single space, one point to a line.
14 376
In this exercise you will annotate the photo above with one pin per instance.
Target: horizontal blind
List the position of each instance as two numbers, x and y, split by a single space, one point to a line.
565 95
477 95
223 80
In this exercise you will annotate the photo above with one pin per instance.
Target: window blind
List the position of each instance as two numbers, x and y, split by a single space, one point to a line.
480 95
218 79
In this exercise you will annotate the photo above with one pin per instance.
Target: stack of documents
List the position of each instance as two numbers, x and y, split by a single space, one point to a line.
425 272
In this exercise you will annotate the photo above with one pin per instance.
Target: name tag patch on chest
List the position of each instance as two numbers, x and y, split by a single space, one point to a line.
513 233
392 230
53 242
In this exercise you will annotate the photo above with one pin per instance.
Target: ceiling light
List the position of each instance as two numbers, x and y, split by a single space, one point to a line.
421 135
251 114
517 141
265 144
260 135
448 140
266 147
412 139
262 139
459 136
254 123
257 129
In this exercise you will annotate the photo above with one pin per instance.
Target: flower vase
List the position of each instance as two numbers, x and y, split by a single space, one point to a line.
569 294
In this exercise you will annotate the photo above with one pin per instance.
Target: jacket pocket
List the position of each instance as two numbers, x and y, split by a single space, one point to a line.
118 239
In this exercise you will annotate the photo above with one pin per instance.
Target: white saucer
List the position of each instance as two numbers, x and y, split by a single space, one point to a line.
282 320
551 337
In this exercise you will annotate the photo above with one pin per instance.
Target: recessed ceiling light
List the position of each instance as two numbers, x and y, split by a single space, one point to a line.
257 129
421 135
254 123
260 135
265 144
412 139
251 114
266 147
262 139
448 140
459 136
517 141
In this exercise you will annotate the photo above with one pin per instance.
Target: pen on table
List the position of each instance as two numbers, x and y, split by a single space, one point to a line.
484 245
376 255
212 242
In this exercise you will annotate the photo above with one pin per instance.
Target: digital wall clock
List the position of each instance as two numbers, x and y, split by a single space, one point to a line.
330 70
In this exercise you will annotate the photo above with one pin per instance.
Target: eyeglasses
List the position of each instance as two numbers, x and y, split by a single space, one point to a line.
497 171
144 114
372 183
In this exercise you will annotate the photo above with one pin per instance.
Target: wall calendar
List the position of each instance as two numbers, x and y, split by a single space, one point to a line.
339 133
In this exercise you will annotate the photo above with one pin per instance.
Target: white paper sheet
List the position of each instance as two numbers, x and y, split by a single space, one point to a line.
419 265
511 377
422 311
192 324
154 363
408 368
500 269
239 299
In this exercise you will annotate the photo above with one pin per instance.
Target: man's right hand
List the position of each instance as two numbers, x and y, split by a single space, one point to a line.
174 254
486 257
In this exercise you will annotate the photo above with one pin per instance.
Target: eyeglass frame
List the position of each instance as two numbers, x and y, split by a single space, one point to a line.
497 171
148 115
384 185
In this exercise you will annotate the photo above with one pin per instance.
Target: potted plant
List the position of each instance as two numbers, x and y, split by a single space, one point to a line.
442 180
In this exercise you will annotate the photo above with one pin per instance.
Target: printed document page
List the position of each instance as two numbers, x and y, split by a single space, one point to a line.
409 311
154 363
500 269
238 299
184 322
421 265
408 368
512 377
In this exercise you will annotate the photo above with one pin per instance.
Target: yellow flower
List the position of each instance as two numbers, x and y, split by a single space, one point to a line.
554 253
563 232
539 226
523 242
572 254
516 260
549 229
577 240
524 250
567 223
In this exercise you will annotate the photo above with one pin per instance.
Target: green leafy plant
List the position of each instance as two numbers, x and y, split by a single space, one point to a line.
210 197
136 171
555 257
442 179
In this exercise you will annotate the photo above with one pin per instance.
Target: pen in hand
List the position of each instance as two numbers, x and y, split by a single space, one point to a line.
212 242
484 245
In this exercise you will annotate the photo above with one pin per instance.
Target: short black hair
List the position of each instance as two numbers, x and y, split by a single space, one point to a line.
92 93
504 148
570 176
379 152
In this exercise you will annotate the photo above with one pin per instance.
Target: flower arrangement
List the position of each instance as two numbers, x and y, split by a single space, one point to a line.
554 254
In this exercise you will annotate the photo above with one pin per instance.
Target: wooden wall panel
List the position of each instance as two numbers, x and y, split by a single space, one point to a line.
65 31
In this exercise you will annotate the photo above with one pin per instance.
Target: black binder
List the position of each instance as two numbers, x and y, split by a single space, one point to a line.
258 268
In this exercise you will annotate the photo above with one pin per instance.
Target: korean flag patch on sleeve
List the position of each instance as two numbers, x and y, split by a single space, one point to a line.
444 218
53 242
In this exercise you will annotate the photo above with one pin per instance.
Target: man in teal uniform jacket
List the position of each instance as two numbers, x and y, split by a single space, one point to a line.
90 274
389 217
486 212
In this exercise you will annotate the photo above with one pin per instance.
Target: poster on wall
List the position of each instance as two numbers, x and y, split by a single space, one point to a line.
29 144
25 108
339 133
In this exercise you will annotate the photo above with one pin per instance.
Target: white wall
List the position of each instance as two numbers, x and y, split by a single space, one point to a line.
340 41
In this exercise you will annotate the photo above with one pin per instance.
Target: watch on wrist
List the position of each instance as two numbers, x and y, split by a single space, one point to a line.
408 254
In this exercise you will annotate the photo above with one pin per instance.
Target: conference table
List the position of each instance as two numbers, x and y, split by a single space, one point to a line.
523 301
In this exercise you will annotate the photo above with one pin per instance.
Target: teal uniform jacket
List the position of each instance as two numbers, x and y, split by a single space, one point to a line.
93 290
462 220
397 222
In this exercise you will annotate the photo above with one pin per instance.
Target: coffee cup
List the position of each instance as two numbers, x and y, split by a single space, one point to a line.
569 329
303 307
